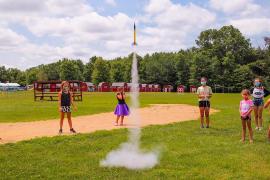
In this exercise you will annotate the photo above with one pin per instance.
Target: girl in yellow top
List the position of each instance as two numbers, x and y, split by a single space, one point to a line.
204 94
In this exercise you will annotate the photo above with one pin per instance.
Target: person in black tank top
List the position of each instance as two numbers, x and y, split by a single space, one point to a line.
121 109
65 100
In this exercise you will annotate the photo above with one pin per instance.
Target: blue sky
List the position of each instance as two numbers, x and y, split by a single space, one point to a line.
39 32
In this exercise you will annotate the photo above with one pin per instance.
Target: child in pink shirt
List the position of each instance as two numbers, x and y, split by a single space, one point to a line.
245 109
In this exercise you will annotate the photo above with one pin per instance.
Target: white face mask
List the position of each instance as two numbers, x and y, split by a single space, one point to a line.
203 83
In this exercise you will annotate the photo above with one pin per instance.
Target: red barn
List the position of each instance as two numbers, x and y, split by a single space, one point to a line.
104 87
117 85
167 88
144 88
192 89
87 87
151 87
181 88
129 87
157 88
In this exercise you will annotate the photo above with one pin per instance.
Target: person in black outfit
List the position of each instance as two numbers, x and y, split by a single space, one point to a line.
65 100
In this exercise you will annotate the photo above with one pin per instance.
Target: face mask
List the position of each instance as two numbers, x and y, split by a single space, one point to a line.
257 84
203 83
66 88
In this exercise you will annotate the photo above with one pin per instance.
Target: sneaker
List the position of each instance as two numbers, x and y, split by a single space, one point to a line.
72 130
207 126
60 131
202 126
115 124
257 128
260 128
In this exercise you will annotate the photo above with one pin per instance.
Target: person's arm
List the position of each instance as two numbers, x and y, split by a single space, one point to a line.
59 101
240 108
118 95
200 96
266 92
251 91
249 111
267 104
72 102
210 92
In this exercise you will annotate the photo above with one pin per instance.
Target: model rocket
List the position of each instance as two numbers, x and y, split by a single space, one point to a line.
134 36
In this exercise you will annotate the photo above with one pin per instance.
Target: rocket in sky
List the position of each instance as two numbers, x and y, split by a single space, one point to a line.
134 36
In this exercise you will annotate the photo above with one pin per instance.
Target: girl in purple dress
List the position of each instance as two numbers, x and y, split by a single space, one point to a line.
121 109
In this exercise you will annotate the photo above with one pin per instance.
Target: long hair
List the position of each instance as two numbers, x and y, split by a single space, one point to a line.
63 83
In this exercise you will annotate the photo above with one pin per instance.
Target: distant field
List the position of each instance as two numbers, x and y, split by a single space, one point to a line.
20 106
188 152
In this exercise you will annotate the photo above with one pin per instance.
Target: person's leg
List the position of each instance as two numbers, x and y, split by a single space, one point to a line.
260 119
207 110
117 119
62 116
69 120
202 116
122 120
250 131
256 116
243 130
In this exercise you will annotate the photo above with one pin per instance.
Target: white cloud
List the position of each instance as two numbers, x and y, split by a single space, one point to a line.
9 39
237 7
252 26
83 32
172 24
111 2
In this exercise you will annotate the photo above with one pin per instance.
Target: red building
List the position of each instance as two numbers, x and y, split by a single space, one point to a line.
192 89
151 88
167 88
87 87
104 87
117 85
157 88
181 88
144 88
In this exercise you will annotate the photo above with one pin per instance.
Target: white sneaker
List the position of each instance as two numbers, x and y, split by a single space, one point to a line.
260 128
257 128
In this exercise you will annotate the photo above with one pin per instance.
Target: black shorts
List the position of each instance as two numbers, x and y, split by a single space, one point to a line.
247 118
205 104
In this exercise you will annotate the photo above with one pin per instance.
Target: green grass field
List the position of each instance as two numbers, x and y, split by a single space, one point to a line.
187 152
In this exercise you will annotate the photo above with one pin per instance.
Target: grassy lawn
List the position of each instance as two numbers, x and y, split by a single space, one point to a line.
187 152
20 106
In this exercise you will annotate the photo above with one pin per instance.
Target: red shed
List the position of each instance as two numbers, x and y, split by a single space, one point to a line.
157 88
192 89
144 88
181 88
151 87
139 86
87 87
128 87
167 88
117 85
104 87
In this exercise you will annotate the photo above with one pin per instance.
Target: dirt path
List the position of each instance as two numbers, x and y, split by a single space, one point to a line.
155 114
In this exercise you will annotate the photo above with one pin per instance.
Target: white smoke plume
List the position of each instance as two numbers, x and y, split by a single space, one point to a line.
129 154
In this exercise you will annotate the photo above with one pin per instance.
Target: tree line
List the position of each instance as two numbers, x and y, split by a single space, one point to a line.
222 55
